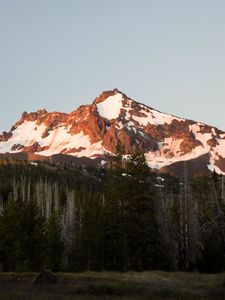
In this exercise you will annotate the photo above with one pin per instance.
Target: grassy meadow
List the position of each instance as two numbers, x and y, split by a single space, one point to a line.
105 285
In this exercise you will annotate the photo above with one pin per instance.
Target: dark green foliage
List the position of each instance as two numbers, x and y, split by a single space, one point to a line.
54 243
121 218
22 239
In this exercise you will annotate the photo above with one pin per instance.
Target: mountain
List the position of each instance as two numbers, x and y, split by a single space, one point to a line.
92 132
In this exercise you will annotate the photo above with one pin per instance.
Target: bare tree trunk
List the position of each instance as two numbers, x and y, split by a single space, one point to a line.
222 189
1 205
23 187
40 196
56 197
68 224
28 190
15 190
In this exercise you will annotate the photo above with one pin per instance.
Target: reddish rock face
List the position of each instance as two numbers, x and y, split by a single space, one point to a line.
221 163
87 120
5 136
42 117
35 147
136 127
114 137
17 147
212 142
189 143
104 95
39 116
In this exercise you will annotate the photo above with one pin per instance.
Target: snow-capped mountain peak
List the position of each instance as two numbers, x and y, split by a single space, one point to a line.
95 130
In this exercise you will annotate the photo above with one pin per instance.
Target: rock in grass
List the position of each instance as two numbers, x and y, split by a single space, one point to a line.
45 277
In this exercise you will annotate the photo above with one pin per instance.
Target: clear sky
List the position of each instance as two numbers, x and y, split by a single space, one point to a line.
59 54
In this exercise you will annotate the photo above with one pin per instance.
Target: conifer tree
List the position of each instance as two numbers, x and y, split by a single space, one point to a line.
54 249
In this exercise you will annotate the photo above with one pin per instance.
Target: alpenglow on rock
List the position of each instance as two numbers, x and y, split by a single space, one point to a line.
94 131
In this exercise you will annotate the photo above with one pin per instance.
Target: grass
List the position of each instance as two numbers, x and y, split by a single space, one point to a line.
109 285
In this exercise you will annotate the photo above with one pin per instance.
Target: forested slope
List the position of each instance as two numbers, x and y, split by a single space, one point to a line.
120 218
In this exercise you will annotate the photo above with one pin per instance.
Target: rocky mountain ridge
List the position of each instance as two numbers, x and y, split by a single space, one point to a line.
94 131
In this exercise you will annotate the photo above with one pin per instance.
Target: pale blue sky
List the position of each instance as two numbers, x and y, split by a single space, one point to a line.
59 54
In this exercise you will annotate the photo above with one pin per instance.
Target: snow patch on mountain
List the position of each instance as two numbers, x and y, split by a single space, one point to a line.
154 117
159 159
93 151
61 141
57 141
110 108
202 137
25 134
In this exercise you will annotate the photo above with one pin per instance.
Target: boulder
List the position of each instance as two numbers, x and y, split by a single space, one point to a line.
45 277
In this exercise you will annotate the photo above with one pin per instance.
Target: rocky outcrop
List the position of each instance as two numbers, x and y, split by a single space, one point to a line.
104 95
5 136
96 130
46 277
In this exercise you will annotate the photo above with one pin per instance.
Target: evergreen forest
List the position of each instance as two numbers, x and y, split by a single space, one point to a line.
123 217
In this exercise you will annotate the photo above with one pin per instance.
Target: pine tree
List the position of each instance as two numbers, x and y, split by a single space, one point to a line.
54 249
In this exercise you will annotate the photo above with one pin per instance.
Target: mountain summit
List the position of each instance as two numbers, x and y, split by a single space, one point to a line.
94 131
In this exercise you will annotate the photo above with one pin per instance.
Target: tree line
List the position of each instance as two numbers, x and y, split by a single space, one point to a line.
120 218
